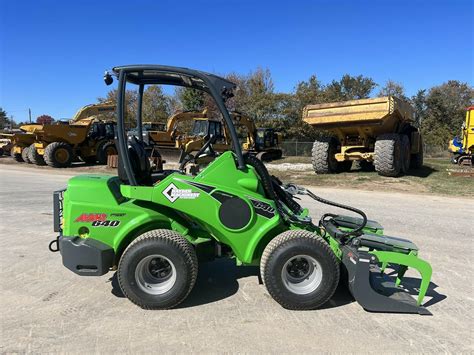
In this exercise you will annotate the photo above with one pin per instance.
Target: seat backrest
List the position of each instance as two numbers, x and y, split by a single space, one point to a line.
139 162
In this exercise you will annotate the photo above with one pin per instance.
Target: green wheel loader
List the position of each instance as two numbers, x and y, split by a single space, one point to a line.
155 228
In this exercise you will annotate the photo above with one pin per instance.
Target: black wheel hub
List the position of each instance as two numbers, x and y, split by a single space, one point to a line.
160 269
298 268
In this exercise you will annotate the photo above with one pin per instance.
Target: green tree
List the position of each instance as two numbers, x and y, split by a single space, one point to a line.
393 88
349 88
445 111
4 121
418 102
191 99
156 105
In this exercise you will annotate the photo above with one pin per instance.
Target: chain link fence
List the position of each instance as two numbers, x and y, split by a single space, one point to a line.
295 148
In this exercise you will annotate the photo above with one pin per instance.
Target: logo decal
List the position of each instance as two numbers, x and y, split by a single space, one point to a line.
172 193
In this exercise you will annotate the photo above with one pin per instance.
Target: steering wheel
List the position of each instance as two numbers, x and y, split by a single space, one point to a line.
206 146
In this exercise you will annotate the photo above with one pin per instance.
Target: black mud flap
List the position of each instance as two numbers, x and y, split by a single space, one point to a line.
373 290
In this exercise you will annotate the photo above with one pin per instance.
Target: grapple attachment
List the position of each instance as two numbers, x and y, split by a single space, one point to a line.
366 258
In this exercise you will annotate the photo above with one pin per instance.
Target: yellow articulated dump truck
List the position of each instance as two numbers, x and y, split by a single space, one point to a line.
88 136
376 132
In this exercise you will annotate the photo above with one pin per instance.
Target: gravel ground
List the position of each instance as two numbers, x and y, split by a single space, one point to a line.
47 309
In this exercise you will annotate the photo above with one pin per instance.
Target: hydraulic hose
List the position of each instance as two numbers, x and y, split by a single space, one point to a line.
294 189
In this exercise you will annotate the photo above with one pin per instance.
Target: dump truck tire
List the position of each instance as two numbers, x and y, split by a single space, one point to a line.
323 158
104 150
299 270
158 269
406 153
388 158
34 157
25 155
16 156
58 155
416 161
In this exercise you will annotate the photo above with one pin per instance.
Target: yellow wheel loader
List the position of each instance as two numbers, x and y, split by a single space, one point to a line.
87 136
462 148
378 133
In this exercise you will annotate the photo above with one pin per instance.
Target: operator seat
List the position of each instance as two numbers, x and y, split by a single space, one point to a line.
139 161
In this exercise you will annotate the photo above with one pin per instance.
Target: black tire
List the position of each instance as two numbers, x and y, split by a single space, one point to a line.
177 260
406 153
365 165
388 158
1 152
34 156
416 161
58 155
104 150
276 266
25 155
16 156
323 155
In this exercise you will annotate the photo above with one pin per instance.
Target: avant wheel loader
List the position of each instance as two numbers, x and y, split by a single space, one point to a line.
462 148
155 229
375 132
85 136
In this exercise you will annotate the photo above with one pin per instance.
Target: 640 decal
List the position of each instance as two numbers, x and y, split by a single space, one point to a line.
97 220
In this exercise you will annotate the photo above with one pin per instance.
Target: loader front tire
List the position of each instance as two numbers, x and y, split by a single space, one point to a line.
388 154
158 269
24 155
58 155
299 270
34 156
323 156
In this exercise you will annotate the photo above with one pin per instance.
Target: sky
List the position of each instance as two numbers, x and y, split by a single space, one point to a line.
53 53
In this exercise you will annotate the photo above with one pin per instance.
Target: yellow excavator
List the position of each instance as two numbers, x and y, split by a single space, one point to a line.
462 148
89 136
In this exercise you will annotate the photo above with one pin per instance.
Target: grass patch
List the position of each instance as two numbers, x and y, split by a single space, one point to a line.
432 178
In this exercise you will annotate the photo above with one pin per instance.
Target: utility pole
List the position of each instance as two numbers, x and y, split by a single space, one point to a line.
29 113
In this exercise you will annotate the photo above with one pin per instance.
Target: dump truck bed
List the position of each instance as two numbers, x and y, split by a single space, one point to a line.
381 114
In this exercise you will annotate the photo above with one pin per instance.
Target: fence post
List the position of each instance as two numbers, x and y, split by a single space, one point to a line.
296 148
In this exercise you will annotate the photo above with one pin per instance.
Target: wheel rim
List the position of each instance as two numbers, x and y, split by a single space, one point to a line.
61 155
302 274
155 274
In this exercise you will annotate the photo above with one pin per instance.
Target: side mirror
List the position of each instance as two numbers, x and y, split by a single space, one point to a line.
108 78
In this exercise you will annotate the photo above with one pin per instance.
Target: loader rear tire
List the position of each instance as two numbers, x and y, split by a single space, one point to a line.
158 269
58 155
16 156
388 157
299 270
406 153
34 156
24 155
323 156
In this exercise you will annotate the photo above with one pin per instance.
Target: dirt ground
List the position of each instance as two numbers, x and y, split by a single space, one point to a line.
46 308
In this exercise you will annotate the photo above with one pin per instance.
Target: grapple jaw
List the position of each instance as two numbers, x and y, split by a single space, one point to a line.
366 258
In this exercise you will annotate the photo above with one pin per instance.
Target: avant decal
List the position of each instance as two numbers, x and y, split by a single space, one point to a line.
172 193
